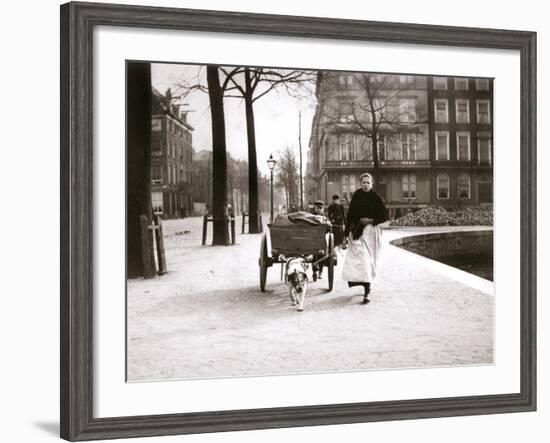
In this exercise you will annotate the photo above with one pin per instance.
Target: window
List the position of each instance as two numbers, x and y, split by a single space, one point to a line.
442 146
382 147
169 175
156 124
349 186
393 148
483 114
345 80
407 110
463 186
440 83
345 187
406 80
485 189
461 84
391 110
462 111
484 148
175 174
345 112
364 147
463 146
380 106
482 84
352 184
408 187
347 148
441 111
408 146
155 146
156 200
156 174
377 78
442 186
368 149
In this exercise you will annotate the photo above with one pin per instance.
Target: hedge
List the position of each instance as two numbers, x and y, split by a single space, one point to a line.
441 217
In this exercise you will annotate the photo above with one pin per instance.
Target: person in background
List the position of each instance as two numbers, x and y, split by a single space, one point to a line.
365 214
319 211
337 217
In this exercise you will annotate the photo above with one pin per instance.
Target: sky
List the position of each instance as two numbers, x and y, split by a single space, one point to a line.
276 116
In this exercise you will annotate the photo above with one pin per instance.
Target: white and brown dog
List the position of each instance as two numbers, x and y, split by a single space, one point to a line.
296 280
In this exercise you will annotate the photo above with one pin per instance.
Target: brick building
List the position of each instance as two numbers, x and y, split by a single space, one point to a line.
433 142
171 158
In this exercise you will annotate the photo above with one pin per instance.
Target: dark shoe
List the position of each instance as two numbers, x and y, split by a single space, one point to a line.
366 300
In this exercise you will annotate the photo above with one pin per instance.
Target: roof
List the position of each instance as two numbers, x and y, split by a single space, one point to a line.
159 106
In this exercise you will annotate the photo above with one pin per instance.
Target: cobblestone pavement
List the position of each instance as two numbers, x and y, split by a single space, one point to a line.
208 318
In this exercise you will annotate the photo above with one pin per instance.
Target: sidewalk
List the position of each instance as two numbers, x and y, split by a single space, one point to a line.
208 318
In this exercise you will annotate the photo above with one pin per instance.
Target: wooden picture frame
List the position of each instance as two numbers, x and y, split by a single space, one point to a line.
77 23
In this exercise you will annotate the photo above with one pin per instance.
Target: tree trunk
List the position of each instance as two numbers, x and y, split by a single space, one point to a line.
253 221
138 186
219 158
286 197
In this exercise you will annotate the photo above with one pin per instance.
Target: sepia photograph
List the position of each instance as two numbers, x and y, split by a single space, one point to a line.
296 221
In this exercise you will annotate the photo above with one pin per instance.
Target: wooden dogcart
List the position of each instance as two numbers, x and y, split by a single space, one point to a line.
311 242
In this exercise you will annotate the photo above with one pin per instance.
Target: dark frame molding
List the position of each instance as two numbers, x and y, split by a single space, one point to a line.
77 24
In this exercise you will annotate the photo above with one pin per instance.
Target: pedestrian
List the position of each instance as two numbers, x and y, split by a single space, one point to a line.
337 217
365 214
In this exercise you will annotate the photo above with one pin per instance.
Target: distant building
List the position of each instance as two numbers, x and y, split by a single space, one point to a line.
237 182
202 180
434 139
171 158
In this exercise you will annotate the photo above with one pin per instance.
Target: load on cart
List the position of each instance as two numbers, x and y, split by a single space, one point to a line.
298 242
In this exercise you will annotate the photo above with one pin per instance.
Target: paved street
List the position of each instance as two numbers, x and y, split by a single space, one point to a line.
208 318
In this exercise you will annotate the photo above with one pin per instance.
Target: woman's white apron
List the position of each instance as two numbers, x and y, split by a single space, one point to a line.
362 255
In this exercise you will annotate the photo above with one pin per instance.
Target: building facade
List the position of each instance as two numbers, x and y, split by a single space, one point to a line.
461 134
171 158
433 144
237 183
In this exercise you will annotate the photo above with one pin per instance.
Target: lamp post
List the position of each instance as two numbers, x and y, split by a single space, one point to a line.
271 164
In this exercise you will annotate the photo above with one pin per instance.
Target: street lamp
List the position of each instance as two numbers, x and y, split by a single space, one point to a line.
271 164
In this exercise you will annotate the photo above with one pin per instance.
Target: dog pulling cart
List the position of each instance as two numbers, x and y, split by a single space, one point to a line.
312 243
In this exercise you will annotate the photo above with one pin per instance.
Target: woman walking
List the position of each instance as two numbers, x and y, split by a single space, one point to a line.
366 212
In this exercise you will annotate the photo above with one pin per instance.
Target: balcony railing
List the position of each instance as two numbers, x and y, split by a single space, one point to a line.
345 164
404 163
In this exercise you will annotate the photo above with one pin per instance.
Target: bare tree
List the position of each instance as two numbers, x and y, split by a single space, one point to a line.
379 110
251 84
287 175
219 157
138 199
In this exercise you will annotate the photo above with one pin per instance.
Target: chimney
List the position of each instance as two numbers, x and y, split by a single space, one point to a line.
168 96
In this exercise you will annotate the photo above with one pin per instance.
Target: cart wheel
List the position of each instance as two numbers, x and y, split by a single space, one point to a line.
330 261
263 263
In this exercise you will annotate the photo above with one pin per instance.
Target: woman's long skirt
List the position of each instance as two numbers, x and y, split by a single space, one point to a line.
362 256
